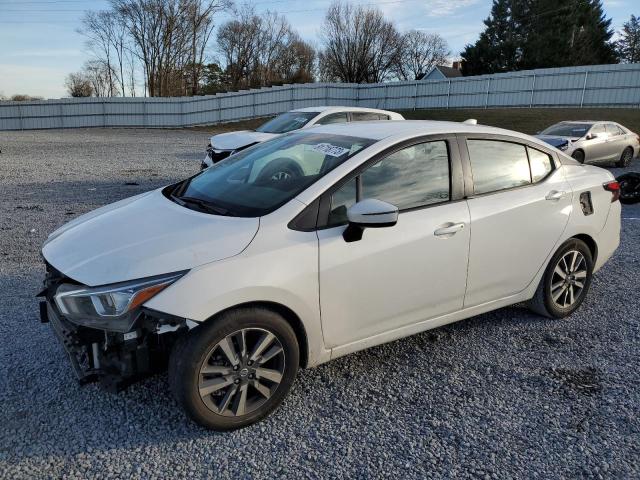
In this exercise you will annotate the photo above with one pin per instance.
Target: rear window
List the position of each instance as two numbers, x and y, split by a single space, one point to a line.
367 116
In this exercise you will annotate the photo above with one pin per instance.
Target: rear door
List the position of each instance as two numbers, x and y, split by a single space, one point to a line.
519 205
617 141
395 276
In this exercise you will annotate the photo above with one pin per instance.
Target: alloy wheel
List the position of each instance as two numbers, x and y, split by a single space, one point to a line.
568 279
241 372
282 175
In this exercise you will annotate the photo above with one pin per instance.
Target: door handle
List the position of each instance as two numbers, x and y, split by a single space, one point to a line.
554 195
449 229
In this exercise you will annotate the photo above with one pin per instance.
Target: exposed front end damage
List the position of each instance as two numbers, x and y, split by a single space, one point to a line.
114 358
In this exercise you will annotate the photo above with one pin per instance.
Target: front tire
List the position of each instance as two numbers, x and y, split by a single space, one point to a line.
566 281
235 370
578 155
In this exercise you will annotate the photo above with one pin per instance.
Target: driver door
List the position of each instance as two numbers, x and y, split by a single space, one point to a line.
597 149
397 276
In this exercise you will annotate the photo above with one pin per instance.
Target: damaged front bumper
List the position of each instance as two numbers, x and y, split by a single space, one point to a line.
115 359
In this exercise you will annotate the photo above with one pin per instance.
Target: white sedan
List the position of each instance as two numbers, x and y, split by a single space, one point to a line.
380 230
224 144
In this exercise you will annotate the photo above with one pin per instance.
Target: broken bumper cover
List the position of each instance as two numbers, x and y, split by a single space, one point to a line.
114 359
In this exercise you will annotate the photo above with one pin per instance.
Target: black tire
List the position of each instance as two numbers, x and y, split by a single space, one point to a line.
279 170
543 302
195 348
625 158
578 155
629 188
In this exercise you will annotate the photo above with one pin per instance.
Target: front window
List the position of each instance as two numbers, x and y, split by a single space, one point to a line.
260 179
413 177
566 129
287 122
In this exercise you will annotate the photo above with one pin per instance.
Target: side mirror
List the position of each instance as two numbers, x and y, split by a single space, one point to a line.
369 213
591 136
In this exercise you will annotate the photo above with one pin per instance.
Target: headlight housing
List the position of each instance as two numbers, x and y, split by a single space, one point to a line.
110 307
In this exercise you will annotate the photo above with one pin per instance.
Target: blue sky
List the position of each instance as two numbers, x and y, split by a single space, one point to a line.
39 44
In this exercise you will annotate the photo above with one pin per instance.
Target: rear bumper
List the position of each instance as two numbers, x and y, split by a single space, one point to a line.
609 237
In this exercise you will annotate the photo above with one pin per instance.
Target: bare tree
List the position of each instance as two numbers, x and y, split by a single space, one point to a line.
263 49
170 38
99 29
420 52
359 44
238 45
100 74
78 85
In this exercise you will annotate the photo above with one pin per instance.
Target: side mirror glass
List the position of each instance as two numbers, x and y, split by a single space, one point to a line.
369 213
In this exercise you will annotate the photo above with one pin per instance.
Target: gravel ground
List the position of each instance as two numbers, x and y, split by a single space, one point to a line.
502 395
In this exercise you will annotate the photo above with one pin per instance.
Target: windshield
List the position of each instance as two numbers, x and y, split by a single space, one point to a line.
260 179
287 122
564 129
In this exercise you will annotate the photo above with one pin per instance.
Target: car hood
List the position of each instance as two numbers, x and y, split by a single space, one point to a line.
557 140
143 236
243 138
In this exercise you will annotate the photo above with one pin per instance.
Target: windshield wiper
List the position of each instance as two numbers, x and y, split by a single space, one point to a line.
203 205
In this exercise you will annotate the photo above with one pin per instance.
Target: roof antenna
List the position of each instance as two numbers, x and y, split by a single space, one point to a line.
471 121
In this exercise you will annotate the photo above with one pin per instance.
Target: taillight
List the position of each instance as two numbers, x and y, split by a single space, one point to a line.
614 188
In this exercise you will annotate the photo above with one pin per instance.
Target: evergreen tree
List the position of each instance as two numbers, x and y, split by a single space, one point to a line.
497 48
629 43
526 34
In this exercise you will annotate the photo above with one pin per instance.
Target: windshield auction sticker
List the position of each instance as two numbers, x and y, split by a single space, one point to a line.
331 150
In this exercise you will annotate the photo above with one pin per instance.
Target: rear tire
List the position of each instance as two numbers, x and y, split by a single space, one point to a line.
566 281
625 158
578 155
235 370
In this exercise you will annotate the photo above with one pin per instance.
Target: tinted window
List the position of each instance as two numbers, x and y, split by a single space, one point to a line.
259 179
614 130
497 165
412 177
367 116
415 176
599 129
341 200
333 118
286 122
541 164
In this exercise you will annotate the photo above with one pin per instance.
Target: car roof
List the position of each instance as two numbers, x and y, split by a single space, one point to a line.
592 122
389 128
327 109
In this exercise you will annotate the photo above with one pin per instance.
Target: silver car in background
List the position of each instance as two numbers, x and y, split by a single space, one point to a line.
593 142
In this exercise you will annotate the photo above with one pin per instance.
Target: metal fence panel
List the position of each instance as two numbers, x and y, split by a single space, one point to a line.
587 86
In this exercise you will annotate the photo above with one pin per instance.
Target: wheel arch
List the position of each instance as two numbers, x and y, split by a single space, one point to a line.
581 150
591 243
287 313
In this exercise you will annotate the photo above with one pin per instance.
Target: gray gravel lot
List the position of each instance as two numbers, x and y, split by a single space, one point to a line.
502 395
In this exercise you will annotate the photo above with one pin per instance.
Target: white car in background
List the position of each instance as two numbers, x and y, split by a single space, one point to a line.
224 144
384 230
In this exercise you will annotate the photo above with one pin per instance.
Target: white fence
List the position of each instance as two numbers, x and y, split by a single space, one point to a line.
590 86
